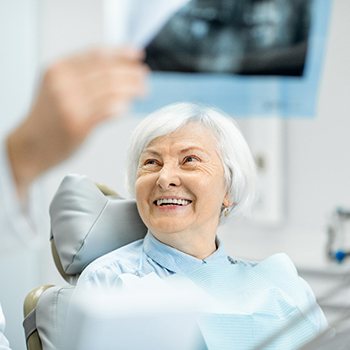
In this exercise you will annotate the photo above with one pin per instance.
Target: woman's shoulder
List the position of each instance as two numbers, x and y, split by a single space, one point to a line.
278 270
106 269
274 272
279 273
277 263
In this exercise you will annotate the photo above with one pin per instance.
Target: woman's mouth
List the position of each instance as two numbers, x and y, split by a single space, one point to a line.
172 201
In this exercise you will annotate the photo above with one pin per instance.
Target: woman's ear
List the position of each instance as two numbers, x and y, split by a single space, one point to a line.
227 202
227 206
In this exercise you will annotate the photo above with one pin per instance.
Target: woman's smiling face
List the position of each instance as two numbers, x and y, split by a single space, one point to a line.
180 186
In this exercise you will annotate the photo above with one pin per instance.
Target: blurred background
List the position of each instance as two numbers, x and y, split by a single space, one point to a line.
303 162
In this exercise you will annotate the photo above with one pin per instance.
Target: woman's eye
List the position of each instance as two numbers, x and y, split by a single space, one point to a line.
150 162
191 159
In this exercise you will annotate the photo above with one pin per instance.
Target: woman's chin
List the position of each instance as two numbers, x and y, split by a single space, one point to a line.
168 226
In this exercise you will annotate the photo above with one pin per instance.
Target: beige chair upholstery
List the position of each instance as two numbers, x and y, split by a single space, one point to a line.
45 310
30 304
87 221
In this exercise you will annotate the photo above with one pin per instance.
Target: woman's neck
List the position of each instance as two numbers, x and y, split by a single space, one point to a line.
198 246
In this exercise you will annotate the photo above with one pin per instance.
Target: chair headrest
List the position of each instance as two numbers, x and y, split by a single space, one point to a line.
87 223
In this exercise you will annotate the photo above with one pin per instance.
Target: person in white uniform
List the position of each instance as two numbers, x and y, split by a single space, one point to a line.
4 344
75 95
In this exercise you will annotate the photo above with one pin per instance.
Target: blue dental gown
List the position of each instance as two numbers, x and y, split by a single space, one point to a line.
263 305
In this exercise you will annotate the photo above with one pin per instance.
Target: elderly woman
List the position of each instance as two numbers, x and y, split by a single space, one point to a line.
189 168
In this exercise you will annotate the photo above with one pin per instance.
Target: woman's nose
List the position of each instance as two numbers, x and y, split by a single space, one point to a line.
168 177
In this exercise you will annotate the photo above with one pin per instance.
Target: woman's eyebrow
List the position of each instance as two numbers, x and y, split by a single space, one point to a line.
150 151
193 148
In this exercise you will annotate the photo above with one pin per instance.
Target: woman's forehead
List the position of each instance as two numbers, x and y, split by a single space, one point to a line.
190 136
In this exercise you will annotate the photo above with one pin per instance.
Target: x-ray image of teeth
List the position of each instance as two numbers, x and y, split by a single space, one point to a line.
253 37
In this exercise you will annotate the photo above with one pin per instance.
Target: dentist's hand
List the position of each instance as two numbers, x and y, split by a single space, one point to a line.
75 95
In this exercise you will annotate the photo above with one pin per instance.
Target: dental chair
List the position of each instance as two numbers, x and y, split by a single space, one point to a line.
87 221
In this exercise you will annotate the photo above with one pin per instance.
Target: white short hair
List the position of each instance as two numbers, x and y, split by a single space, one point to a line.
238 163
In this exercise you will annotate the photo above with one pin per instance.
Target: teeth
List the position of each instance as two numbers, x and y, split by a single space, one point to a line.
173 201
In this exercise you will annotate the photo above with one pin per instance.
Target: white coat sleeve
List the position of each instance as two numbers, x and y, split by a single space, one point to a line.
17 223
20 258
4 344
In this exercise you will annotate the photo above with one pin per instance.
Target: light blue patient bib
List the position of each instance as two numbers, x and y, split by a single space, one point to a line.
268 300
253 301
